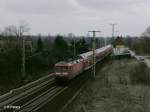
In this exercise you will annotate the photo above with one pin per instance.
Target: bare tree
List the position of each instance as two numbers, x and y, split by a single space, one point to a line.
18 32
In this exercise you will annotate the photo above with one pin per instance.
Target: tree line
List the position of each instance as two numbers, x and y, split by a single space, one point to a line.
46 52
141 45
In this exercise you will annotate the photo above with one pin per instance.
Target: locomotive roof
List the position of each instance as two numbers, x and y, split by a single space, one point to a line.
68 63
88 54
82 56
103 48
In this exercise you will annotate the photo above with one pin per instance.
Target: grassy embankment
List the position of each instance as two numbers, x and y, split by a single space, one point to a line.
120 86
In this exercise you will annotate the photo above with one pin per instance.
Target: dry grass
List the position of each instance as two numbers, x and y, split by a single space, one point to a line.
120 86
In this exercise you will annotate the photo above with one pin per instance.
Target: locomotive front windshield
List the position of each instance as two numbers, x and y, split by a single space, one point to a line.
58 69
62 68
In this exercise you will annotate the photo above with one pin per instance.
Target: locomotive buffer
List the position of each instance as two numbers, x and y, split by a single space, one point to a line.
93 49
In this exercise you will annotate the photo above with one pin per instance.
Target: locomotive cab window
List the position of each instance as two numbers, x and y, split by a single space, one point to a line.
65 67
70 68
58 68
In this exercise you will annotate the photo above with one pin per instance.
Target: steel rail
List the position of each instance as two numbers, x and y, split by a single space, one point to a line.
23 88
42 98
35 90
26 93
50 98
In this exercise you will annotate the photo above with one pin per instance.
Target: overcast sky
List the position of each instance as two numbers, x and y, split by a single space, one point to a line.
77 16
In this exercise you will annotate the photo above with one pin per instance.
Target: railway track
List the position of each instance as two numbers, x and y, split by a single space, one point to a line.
31 97
42 99
23 88
43 95
18 96
35 98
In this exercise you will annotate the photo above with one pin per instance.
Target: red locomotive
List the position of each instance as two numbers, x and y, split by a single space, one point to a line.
68 70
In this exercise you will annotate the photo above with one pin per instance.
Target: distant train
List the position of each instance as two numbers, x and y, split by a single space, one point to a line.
66 70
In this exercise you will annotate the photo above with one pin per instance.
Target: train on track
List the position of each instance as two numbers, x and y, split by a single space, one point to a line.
67 70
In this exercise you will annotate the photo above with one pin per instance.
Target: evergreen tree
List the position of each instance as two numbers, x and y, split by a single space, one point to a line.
39 45
60 48
82 46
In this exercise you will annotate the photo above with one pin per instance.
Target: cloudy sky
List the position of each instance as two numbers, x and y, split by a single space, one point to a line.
77 16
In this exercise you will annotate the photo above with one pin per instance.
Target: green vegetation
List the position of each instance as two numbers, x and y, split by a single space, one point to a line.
60 49
39 45
41 55
82 46
141 45
42 52
140 74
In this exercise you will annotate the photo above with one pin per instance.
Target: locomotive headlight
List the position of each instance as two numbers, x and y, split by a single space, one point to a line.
65 73
61 73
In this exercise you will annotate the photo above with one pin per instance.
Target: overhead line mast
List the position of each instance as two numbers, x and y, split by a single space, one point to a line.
113 30
23 58
93 49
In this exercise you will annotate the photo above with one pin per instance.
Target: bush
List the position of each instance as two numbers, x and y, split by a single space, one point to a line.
140 74
10 66
37 63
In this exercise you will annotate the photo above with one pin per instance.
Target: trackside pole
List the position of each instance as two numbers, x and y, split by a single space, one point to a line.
113 30
23 58
93 49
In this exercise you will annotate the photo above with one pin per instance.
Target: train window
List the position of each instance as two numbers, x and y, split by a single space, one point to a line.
70 68
61 68
65 67
58 69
